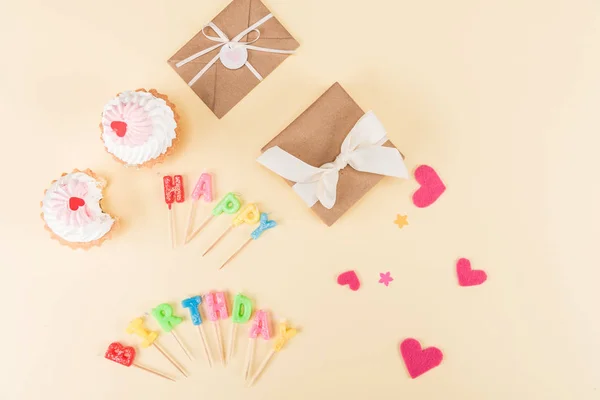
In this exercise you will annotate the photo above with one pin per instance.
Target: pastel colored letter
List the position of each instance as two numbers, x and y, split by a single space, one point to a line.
265 224
261 325
203 188
192 304
216 306
173 189
285 334
249 215
229 204
137 327
163 314
242 309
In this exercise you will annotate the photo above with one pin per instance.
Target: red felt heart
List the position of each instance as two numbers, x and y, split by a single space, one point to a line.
122 354
75 203
431 188
349 278
419 361
468 276
119 127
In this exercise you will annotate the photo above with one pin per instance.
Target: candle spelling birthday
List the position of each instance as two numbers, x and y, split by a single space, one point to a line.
193 305
163 314
230 204
149 337
261 326
125 355
216 308
240 314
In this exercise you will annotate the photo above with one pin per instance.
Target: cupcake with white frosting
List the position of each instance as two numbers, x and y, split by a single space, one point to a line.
139 128
72 212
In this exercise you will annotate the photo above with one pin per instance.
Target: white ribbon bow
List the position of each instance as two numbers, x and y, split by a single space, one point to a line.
362 150
223 40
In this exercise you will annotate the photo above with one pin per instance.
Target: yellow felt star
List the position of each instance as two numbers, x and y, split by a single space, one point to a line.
401 220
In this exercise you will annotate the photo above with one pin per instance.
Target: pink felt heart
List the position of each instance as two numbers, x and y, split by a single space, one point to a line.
468 276
431 188
417 360
349 278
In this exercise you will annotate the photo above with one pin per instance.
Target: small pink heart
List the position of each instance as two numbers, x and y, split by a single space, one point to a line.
349 278
419 361
468 276
431 188
234 56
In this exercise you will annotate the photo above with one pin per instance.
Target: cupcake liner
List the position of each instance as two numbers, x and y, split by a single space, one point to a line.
83 245
161 158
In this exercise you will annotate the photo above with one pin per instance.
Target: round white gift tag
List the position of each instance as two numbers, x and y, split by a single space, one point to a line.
233 56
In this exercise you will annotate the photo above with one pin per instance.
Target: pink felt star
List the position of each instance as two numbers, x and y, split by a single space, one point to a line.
385 278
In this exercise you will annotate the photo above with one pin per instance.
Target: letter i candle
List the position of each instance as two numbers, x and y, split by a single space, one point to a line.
149 339
285 334
240 314
173 188
249 215
260 326
193 305
204 190
216 308
125 355
265 224
163 314
230 204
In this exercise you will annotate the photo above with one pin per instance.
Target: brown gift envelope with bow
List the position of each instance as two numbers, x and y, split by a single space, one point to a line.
316 137
222 88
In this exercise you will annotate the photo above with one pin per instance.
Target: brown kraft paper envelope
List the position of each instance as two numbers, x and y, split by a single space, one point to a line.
221 88
316 136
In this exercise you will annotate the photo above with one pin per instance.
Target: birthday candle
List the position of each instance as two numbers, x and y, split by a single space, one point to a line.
248 215
285 334
265 224
261 326
204 190
125 355
137 327
193 305
163 313
230 204
173 190
216 308
240 314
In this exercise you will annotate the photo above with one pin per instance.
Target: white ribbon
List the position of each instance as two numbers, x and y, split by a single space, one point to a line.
362 150
222 40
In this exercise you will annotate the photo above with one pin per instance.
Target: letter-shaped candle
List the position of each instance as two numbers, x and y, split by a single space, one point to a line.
137 327
173 187
240 313
242 309
229 204
192 304
249 215
216 308
265 224
261 325
203 188
163 314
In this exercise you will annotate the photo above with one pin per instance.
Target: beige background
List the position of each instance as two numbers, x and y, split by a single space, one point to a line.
501 97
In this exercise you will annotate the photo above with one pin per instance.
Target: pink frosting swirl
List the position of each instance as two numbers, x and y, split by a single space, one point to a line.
68 201
128 124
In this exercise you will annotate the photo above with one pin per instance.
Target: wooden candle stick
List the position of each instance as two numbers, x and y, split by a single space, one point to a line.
173 190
